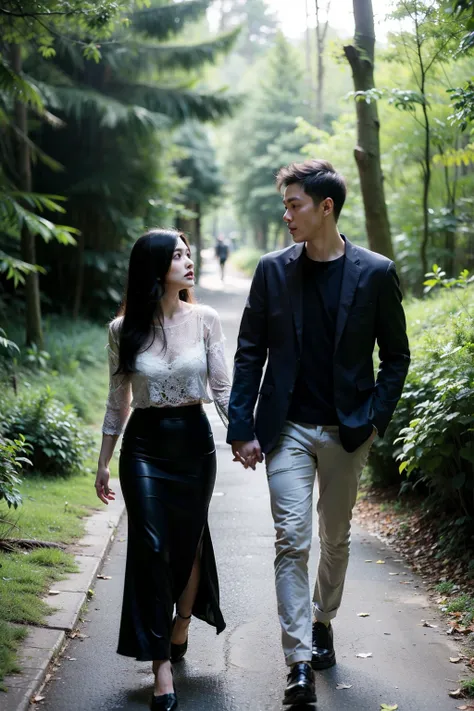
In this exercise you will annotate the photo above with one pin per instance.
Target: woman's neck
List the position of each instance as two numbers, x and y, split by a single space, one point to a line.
171 305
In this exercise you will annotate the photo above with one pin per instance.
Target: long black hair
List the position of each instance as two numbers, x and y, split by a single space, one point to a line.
150 260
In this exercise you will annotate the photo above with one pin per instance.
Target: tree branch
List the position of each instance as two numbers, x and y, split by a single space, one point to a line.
10 13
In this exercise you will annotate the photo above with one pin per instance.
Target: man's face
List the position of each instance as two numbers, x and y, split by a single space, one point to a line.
303 217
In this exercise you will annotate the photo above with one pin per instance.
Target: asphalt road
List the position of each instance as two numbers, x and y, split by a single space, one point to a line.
243 668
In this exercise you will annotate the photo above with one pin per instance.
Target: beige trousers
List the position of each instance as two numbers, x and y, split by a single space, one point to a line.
302 453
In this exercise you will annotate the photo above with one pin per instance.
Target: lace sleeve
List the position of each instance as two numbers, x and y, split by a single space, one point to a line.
217 373
118 401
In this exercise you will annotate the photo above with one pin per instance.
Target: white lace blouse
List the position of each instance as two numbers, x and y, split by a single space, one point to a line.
192 364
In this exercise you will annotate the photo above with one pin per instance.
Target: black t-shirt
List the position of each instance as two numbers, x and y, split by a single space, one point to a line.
313 395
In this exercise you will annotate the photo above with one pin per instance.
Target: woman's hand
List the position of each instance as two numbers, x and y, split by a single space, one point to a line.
102 485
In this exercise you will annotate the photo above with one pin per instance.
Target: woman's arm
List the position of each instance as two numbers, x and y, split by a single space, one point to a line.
217 373
104 493
116 414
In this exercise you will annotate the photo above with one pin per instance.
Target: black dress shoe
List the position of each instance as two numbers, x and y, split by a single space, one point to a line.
301 688
165 702
178 651
323 654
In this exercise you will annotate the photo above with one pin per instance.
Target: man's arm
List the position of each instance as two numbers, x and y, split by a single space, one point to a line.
394 352
249 361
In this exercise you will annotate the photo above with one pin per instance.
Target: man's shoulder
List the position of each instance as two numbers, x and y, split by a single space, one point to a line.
373 260
279 255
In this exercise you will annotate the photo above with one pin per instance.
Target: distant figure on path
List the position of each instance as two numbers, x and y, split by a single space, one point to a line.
222 252
313 315
164 351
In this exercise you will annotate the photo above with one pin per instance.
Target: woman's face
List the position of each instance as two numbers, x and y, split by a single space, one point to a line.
181 272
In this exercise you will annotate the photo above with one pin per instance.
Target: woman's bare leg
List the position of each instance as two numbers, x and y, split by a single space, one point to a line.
186 602
163 677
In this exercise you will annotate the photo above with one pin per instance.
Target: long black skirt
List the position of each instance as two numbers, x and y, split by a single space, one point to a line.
167 474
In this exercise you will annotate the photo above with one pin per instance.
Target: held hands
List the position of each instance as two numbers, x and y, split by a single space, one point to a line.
102 485
247 453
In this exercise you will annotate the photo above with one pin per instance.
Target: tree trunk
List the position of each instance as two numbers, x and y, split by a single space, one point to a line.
360 56
320 43
34 331
198 241
427 151
79 284
309 58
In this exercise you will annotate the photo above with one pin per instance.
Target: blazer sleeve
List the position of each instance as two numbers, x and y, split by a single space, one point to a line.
394 352
249 360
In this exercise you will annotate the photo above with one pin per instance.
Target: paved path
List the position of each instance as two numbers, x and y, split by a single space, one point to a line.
242 669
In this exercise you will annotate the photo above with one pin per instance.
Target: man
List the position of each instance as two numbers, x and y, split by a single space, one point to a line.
313 315
222 252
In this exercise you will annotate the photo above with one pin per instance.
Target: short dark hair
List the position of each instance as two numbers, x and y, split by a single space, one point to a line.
318 179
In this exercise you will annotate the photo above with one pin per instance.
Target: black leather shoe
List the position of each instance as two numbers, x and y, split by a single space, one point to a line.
165 702
301 688
178 651
323 654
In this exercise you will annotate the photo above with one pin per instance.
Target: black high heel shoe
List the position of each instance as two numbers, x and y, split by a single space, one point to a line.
178 651
165 702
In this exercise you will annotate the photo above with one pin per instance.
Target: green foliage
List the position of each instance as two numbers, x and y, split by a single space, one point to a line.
166 20
115 142
198 166
8 347
431 434
438 278
267 131
445 587
246 259
58 439
467 687
12 463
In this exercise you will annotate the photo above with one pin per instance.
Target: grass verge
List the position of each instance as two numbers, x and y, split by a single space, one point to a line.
53 509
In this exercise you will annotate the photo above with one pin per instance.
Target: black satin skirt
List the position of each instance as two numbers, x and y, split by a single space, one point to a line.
167 474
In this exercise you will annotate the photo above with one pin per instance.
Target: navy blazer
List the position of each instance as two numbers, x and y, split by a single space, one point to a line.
271 333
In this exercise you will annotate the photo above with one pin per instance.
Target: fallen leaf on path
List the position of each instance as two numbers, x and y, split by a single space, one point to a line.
427 624
71 659
37 699
394 573
454 660
387 707
54 592
345 686
368 561
380 562
457 694
104 577
363 614
364 655
464 707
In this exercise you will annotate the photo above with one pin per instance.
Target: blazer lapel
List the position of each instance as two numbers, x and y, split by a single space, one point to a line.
294 281
350 279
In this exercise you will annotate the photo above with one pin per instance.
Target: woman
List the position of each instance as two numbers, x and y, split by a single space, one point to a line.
163 352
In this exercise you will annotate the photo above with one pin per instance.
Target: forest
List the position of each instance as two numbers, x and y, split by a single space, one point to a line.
119 115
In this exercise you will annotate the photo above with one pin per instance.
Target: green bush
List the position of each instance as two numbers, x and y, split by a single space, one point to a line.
246 259
430 438
12 463
59 441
